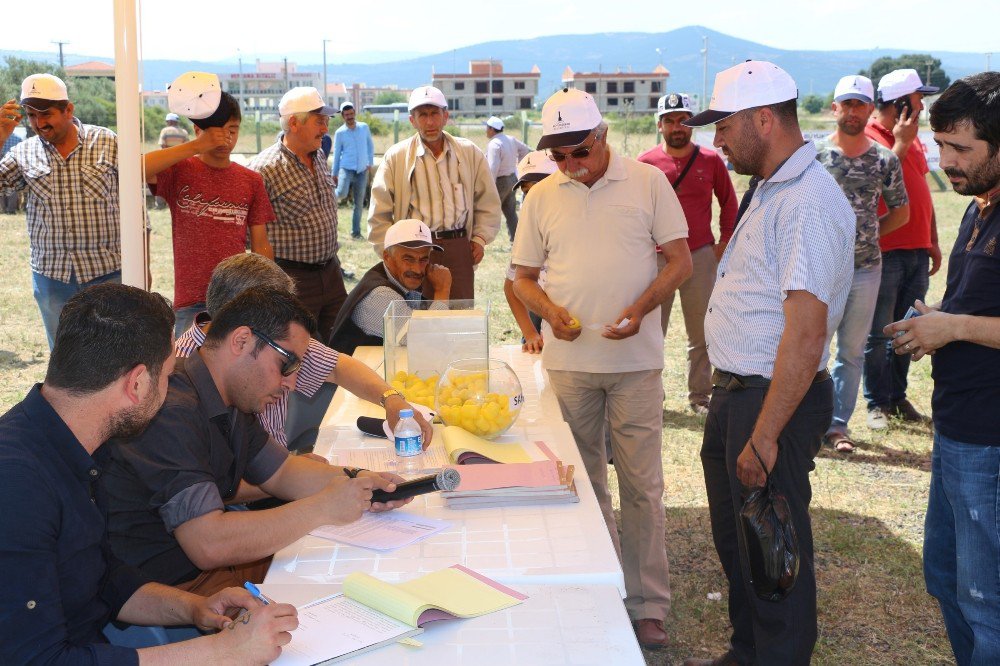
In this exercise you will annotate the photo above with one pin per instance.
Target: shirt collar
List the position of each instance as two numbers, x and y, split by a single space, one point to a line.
422 149
208 392
987 201
63 441
81 136
795 164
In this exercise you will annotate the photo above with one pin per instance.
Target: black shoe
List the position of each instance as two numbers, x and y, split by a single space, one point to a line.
348 275
905 411
357 236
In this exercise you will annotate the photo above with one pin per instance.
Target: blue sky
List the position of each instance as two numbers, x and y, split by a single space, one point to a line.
209 30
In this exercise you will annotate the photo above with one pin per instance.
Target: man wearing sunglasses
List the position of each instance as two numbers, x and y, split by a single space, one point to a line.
167 489
595 225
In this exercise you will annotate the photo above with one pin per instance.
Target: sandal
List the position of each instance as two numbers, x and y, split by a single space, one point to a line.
840 442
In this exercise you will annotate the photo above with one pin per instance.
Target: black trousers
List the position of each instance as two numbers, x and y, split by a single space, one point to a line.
321 290
764 632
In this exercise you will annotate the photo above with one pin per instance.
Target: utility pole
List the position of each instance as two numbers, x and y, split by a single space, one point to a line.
62 64
489 89
988 56
324 70
704 73
927 81
239 59
287 86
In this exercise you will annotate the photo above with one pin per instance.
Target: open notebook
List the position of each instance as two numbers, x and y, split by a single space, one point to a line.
372 613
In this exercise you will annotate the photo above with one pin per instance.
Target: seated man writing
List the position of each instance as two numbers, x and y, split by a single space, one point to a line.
405 263
106 378
167 488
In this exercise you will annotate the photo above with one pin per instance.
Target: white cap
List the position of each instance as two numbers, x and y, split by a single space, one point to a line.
567 118
172 116
495 123
854 87
195 95
673 103
533 167
346 105
303 99
411 233
746 86
43 87
900 82
426 95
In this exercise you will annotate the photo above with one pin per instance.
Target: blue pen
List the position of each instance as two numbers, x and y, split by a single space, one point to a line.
252 589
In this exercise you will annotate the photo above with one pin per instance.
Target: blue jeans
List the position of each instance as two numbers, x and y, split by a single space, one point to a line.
852 332
962 546
51 295
904 280
358 181
184 317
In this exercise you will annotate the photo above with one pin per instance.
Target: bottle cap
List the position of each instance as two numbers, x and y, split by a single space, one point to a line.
405 413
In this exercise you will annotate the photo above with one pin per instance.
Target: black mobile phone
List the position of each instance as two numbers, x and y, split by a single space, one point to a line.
903 103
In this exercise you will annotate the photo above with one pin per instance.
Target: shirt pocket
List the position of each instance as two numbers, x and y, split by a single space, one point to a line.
97 180
38 180
295 202
459 192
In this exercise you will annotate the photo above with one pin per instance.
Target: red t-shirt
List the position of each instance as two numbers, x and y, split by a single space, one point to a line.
210 210
708 174
915 234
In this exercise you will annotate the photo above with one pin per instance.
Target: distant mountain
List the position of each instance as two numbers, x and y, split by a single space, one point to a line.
814 71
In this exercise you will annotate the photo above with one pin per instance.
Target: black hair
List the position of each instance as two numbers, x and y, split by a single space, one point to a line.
104 332
974 99
787 112
264 309
229 109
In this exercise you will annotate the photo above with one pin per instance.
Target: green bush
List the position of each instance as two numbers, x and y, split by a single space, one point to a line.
812 104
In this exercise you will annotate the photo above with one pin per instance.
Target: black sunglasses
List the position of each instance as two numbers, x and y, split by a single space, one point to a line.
292 361
577 154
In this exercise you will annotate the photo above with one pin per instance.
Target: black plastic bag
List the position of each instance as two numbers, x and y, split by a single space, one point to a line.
772 548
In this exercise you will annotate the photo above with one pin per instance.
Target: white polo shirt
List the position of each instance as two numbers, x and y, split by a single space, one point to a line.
599 246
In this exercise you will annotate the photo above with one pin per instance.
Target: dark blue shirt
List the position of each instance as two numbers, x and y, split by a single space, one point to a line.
61 584
967 375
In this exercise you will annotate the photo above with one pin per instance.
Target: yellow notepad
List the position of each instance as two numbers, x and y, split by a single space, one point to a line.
460 444
448 593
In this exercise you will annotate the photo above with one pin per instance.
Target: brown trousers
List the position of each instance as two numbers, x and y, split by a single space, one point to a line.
208 583
457 257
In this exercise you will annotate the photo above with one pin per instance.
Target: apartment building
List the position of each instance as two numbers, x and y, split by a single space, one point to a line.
487 90
620 92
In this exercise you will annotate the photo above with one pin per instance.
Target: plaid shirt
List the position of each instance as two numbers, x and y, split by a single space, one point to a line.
319 361
304 204
72 203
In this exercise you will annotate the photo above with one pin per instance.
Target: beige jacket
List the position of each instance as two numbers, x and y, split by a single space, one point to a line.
390 199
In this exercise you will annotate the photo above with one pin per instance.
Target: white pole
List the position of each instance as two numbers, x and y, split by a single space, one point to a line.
129 107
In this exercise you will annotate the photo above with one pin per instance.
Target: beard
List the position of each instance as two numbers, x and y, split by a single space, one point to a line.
131 422
748 159
678 139
979 179
851 126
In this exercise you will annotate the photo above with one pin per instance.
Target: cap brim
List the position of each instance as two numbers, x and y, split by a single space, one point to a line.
563 139
416 245
707 118
326 111
858 96
39 104
668 111
531 178
928 90
412 108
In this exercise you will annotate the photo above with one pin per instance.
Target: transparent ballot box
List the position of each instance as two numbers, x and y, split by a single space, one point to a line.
420 342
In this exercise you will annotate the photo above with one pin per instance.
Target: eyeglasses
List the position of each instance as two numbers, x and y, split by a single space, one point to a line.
578 154
292 361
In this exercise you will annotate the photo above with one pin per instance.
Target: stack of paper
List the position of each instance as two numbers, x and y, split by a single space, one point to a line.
464 448
513 484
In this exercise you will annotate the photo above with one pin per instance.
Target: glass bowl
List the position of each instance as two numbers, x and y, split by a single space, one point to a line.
480 395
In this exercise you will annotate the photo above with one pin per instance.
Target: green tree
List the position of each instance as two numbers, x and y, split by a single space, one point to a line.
812 103
922 62
16 70
93 101
389 97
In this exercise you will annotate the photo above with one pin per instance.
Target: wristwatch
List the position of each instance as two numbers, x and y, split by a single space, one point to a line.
388 394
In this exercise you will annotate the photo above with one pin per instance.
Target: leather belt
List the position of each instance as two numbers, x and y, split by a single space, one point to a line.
447 234
730 381
301 265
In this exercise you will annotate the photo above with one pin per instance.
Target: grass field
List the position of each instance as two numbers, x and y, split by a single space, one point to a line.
867 509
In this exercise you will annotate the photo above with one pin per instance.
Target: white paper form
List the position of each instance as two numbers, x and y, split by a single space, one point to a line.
338 627
384 459
383 531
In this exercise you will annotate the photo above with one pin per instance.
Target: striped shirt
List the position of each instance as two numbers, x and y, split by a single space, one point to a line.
797 234
317 365
304 203
438 196
72 203
369 313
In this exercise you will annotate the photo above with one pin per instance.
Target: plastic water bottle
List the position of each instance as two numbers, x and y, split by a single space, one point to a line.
409 443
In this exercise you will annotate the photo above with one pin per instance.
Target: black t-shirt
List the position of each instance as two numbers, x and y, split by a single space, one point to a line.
966 375
188 461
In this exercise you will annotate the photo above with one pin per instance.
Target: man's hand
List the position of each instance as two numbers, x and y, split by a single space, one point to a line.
395 404
439 277
212 612
257 636
212 138
748 469
906 127
314 456
922 335
533 343
564 327
393 479
343 500
478 251
718 250
935 253
617 331
10 116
